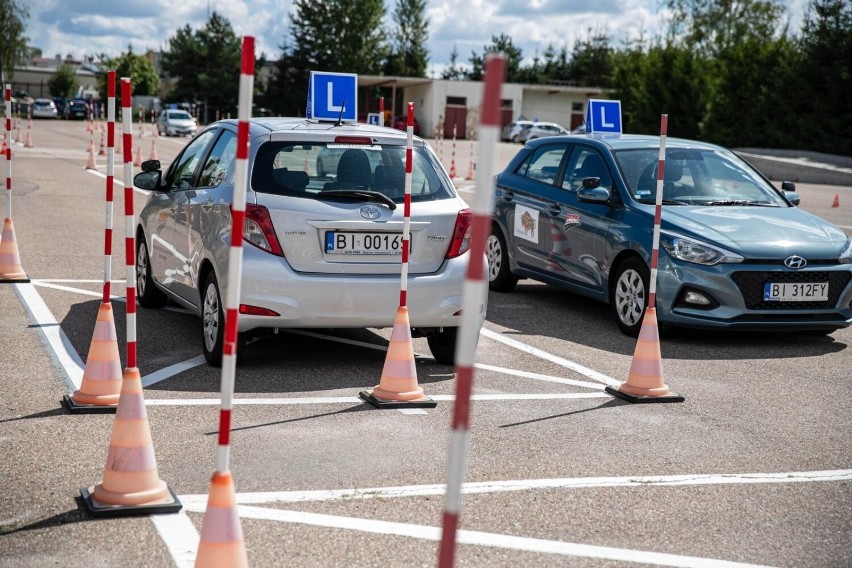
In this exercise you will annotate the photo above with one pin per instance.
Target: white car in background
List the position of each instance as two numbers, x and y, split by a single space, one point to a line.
173 122
322 249
542 130
44 108
512 131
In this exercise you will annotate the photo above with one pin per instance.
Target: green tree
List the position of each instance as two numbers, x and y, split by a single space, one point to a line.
591 61
13 43
64 81
453 71
143 77
339 35
821 80
206 65
713 26
409 56
499 44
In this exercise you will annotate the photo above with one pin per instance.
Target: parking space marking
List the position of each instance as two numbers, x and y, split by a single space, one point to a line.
61 350
172 370
538 376
273 401
180 536
116 181
480 487
479 538
576 367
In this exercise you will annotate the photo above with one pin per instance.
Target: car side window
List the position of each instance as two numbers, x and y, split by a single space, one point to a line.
586 163
181 173
219 161
543 165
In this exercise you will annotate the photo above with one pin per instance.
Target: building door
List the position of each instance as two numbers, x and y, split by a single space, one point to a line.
455 114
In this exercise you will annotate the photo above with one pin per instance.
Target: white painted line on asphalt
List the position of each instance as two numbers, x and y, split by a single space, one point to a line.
337 339
412 411
180 536
845 226
480 487
576 367
172 370
480 538
357 400
537 376
116 181
61 350
45 284
76 281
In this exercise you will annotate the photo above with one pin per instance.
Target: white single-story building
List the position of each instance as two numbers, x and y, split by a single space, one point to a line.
441 105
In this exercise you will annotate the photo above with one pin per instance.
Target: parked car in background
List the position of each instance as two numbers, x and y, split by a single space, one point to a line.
512 131
60 105
580 129
77 108
319 252
400 122
173 122
44 108
542 130
735 252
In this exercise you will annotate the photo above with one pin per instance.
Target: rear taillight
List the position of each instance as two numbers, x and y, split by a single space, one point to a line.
258 229
461 234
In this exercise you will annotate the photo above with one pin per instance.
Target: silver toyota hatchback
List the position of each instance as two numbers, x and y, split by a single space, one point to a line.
321 250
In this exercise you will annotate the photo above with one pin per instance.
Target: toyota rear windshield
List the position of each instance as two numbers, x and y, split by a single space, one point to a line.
304 170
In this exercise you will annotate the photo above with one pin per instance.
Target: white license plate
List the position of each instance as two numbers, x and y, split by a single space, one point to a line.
795 291
343 242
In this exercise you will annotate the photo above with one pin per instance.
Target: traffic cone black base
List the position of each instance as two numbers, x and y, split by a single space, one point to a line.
383 403
671 397
75 408
97 509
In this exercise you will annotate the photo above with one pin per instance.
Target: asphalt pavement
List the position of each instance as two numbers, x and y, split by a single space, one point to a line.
753 469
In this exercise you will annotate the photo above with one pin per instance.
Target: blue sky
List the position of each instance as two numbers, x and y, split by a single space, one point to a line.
81 27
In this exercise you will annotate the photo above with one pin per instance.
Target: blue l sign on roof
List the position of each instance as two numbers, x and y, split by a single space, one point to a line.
330 94
603 117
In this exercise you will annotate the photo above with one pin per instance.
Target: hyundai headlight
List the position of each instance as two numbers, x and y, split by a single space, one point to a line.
846 255
689 250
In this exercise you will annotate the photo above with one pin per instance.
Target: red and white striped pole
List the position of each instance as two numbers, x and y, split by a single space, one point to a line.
235 254
474 296
453 155
129 229
406 216
381 111
221 533
110 183
658 213
7 136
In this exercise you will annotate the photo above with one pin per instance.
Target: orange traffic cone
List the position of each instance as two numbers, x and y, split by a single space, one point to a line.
221 534
101 149
29 141
4 147
18 138
645 379
89 126
153 155
836 202
398 386
91 164
101 385
10 259
137 159
131 483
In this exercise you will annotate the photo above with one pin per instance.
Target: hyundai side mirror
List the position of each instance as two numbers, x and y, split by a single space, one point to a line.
149 180
150 165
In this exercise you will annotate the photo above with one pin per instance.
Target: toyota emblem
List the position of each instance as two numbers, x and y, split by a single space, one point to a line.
370 212
795 262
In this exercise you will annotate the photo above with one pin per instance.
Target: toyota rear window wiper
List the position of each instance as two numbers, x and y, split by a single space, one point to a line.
365 194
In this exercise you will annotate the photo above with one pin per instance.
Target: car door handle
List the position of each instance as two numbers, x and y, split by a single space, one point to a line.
554 210
207 204
508 196
174 208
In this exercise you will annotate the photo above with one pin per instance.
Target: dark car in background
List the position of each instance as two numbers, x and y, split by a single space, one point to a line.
577 212
77 108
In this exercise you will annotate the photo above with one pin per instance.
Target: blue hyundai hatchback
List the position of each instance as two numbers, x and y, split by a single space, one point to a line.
577 212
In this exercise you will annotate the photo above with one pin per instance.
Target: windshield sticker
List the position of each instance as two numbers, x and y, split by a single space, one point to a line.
526 223
571 220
